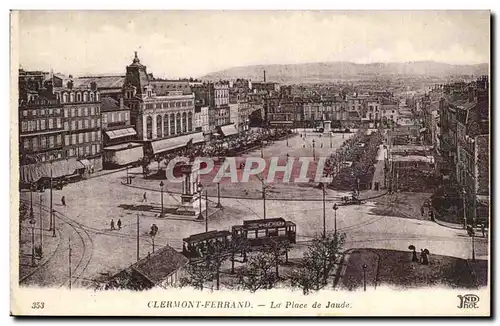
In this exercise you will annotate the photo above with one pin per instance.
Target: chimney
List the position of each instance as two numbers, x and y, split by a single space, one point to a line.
264 76
121 103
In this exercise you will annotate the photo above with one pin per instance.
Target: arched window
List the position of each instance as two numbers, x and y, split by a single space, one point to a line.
165 125
190 121
184 122
78 97
91 97
65 97
85 97
172 124
97 96
149 127
71 97
178 128
159 128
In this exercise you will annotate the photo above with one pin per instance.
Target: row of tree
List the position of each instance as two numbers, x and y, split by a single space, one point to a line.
261 270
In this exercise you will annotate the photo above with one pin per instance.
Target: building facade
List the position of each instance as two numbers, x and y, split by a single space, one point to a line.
82 123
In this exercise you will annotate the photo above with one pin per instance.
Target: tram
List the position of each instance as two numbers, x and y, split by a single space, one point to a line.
261 232
197 245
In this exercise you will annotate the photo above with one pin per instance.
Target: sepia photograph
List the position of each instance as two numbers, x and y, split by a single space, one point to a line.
243 163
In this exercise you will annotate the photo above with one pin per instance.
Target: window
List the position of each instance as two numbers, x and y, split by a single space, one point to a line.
98 146
73 125
79 114
59 125
93 135
97 110
92 110
98 121
25 113
80 138
87 149
35 144
43 142
92 123
159 128
73 112
78 97
51 141
91 97
33 113
172 124
105 118
80 124
71 97
24 126
98 135
86 123
149 128
73 139
67 140
26 143
87 137
58 139
51 123
85 111
93 149
42 124
42 112
85 96
51 111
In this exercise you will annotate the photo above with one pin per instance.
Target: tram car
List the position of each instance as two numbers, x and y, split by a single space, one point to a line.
261 232
196 246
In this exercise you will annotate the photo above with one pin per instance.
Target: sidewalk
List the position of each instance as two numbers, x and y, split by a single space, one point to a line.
395 268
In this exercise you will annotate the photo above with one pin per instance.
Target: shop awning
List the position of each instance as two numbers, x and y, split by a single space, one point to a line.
85 162
123 154
229 130
33 172
112 134
176 142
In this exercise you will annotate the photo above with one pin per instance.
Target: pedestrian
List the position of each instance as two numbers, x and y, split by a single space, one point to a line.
422 211
63 201
483 229
119 224
414 257
112 224
421 255
144 198
425 260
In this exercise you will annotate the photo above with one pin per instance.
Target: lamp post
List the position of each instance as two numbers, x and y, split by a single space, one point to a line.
162 214
463 201
200 189
324 209
128 180
331 140
264 198
314 150
219 205
335 207
206 210
41 227
52 217
32 223
287 141
364 277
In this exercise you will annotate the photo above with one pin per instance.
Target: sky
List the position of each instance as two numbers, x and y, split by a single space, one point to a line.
177 44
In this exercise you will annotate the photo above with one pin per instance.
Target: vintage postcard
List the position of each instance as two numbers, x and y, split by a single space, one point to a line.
250 163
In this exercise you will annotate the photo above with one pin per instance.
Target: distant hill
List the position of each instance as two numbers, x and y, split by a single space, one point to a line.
332 71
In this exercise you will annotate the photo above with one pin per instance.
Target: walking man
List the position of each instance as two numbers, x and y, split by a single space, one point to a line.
119 224
422 211
144 198
483 229
63 201
112 224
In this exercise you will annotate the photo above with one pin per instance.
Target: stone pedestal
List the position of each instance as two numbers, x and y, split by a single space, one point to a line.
190 198
327 126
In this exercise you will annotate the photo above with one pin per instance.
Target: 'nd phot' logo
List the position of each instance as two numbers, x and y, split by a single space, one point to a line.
468 301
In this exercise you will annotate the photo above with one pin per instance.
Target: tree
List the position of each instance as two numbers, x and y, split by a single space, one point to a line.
258 273
197 274
318 262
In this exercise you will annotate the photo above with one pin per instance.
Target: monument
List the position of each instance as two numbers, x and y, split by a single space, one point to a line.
192 203
327 126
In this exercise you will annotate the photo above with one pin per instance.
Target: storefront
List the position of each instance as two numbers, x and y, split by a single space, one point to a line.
169 144
229 130
122 154
31 173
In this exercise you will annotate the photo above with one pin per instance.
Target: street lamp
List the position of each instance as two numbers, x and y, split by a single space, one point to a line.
323 186
200 189
41 227
162 214
364 276
32 222
331 139
465 215
314 152
335 207
264 197
219 205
